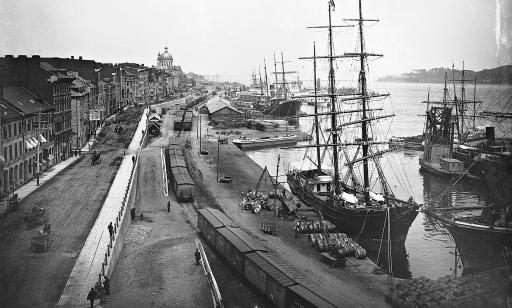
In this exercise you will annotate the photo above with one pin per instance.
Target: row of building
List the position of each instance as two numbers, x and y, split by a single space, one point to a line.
51 106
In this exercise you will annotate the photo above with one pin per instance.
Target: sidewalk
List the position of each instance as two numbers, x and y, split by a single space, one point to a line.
32 186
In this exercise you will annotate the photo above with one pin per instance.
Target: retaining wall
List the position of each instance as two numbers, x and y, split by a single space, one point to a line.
100 252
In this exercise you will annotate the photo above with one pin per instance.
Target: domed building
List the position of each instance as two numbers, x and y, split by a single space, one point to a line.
164 60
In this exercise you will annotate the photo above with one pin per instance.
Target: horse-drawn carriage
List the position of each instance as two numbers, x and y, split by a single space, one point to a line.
13 203
37 216
96 158
42 241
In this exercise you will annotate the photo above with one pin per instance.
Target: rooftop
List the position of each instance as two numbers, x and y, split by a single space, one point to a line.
25 101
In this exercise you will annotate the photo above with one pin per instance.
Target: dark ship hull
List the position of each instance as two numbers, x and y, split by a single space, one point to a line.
282 108
368 222
480 246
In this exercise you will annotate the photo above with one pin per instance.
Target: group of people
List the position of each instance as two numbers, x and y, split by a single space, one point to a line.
95 292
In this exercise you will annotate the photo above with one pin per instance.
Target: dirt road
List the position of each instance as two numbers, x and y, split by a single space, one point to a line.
157 266
73 200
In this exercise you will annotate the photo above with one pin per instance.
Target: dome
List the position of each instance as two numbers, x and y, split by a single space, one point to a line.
165 55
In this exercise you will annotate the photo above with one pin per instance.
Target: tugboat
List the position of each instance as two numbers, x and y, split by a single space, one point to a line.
349 202
437 156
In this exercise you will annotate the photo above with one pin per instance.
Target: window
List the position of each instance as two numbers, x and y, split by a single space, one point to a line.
5 131
10 152
15 150
5 153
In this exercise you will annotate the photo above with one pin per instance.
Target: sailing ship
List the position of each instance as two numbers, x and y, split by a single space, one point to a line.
351 205
278 101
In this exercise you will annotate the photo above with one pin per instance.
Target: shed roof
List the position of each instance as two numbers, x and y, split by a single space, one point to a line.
215 104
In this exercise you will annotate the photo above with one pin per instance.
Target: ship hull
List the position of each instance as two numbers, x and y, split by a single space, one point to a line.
286 108
258 144
434 170
480 246
367 223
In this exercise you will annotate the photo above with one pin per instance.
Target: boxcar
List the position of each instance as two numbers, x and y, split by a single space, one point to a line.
223 218
232 248
267 278
207 224
299 296
183 187
177 161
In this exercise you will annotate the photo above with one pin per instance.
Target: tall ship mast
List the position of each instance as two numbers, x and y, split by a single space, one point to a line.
350 202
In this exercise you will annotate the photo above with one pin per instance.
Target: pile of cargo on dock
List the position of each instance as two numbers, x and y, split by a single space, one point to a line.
255 201
177 173
338 244
485 289
313 226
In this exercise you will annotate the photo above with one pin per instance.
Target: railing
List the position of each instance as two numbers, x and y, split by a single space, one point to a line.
214 289
117 224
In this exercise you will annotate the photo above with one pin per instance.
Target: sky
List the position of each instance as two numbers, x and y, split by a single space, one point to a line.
230 38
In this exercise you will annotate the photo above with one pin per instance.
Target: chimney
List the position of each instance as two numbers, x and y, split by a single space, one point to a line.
72 57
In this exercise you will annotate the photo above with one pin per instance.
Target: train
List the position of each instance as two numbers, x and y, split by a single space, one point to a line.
185 122
282 285
179 179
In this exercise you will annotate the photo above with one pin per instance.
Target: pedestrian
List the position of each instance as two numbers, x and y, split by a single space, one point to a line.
91 296
198 256
106 285
132 213
133 159
111 230
169 206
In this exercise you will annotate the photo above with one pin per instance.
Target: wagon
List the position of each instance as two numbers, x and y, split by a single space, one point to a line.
96 158
37 216
40 242
13 203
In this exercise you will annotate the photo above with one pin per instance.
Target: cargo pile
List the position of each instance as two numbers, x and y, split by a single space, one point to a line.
487 289
314 226
339 243
254 201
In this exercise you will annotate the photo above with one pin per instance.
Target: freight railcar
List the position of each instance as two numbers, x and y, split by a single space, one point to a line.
278 282
183 187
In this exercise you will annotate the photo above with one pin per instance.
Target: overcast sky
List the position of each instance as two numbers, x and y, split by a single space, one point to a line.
231 37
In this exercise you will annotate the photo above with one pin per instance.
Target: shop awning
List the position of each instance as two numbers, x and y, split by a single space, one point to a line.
28 145
34 141
42 139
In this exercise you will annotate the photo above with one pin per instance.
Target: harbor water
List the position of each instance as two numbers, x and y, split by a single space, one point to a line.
429 249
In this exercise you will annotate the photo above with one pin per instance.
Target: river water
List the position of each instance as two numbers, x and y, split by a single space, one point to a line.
429 250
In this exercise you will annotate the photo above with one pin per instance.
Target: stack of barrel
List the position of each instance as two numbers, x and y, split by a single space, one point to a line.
177 173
